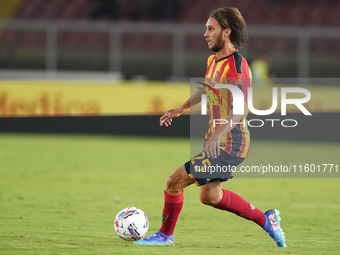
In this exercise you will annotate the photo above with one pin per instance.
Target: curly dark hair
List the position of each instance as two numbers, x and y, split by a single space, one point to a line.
230 17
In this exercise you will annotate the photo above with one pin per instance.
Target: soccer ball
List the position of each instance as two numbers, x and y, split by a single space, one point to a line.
131 224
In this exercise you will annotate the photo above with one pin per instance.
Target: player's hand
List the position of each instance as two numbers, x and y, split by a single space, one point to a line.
166 119
212 147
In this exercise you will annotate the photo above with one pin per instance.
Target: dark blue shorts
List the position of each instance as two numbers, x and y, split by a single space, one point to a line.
203 170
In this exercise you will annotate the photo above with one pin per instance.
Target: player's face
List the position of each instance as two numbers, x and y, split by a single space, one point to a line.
214 35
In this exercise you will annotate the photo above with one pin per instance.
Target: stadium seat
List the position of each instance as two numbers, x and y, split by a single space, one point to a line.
295 15
136 41
315 16
196 43
96 41
274 17
10 38
283 45
34 39
277 45
254 16
159 42
321 46
125 7
336 46
49 11
257 44
72 39
85 9
332 17
196 14
28 9
70 10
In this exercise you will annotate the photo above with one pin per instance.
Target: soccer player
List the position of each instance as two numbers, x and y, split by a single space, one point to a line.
226 144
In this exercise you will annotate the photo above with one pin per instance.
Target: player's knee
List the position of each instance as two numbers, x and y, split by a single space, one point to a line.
208 200
172 185
169 183
178 181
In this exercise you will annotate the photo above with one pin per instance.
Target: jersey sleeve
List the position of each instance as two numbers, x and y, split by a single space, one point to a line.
240 76
209 61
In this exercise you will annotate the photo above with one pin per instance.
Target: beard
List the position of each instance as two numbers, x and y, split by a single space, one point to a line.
219 44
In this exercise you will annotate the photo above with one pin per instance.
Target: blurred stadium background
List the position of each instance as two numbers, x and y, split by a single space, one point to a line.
162 40
59 44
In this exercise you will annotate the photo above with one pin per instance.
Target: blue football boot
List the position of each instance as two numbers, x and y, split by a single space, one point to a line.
157 239
272 227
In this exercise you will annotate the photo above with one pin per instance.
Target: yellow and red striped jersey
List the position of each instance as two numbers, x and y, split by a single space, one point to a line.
234 70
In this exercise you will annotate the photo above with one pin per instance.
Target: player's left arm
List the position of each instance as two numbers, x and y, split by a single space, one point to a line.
212 146
167 117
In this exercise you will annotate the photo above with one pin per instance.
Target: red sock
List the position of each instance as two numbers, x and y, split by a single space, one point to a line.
172 207
232 202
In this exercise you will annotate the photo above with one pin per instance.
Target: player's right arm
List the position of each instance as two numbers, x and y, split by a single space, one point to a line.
166 119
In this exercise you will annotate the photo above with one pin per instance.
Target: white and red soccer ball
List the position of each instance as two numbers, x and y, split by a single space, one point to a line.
131 224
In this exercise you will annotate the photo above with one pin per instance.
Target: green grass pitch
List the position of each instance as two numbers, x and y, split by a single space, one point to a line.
59 194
